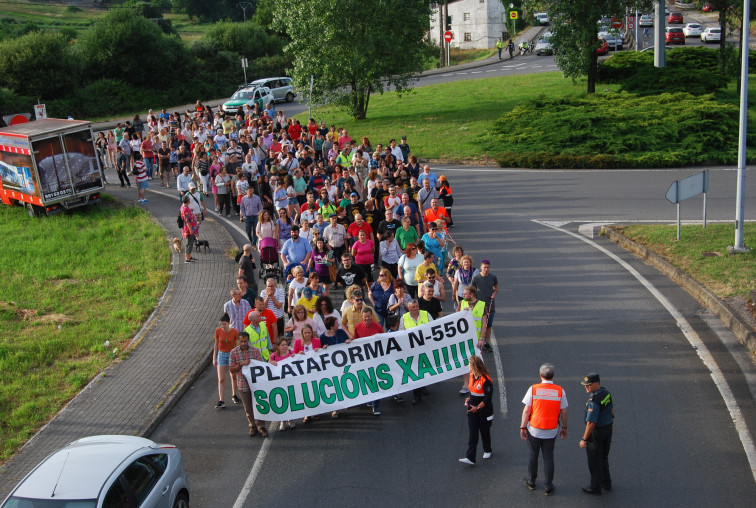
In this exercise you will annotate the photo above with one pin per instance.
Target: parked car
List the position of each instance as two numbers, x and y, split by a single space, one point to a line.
543 46
674 35
282 88
707 7
542 18
646 20
693 30
106 471
711 35
603 47
249 96
613 38
675 18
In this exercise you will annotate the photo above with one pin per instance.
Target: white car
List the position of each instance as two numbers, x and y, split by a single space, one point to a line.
260 95
693 29
542 18
543 46
646 20
711 35
106 471
613 38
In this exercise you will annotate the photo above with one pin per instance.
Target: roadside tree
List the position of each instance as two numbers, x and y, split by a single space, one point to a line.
354 48
574 28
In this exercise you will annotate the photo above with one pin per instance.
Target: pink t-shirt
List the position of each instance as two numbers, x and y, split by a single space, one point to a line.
277 358
363 252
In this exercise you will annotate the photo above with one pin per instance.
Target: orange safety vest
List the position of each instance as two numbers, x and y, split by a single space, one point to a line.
476 386
547 398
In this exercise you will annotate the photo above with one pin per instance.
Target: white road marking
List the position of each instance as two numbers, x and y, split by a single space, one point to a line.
491 70
450 74
256 467
461 73
696 343
500 375
475 72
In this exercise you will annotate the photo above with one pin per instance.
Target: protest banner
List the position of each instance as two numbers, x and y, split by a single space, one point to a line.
364 370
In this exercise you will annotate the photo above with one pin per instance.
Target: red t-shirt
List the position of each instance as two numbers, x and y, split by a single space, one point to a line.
268 317
361 331
226 341
354 229
295 131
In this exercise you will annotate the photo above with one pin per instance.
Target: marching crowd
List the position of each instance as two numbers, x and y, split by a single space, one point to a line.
327 213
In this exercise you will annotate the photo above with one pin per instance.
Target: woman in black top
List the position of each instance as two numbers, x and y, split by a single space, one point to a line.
479 410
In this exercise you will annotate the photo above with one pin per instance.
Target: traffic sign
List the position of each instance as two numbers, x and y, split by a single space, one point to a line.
513 15
616 23
448 36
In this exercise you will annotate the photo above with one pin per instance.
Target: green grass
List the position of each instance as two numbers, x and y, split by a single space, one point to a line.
461 56
70 282
447 121
54 16
725 275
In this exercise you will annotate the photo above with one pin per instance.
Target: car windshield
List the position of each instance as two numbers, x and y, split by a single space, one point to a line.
241 95
715 30
18 502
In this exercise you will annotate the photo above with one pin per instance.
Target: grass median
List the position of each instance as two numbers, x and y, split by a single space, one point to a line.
703 254
70 283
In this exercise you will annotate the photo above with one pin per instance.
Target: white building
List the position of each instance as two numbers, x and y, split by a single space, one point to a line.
476 24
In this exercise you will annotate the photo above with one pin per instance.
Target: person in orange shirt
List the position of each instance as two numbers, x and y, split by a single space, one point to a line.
436 212
545 408
224 341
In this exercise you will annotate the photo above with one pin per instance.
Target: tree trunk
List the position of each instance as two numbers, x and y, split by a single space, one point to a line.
592 72
441 26
722 42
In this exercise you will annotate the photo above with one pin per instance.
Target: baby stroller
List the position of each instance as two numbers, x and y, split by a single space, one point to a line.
270 265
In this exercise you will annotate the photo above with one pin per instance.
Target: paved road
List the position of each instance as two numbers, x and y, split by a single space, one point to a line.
563 300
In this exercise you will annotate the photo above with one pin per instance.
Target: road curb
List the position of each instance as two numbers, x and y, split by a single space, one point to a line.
744 333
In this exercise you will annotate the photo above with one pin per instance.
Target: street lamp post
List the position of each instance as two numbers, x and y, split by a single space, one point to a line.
244 6
738 247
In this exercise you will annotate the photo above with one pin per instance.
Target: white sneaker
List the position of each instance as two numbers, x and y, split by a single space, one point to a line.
487 455
291 424
282 426
465 390
467 461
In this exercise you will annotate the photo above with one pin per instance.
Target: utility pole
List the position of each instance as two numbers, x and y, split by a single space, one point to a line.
660 21
738 247
446 20
244 6
441 28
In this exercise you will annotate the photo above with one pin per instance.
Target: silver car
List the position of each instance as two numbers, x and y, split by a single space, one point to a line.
711 35
104 472
282 88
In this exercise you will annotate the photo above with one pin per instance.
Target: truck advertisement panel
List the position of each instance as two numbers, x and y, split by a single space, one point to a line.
53 173
16 174
54 165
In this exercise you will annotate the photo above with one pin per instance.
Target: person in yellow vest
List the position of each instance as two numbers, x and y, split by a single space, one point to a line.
499 46
470 303
479 410
410 319
258 335
545 405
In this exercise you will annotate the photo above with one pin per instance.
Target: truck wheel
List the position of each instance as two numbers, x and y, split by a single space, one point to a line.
32 210
289 97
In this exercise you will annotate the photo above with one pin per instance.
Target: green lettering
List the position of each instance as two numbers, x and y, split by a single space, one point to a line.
407 373
337 387
384 374
424 366
315 402
275 394
262 407
367 381
328 399
293 404
349 385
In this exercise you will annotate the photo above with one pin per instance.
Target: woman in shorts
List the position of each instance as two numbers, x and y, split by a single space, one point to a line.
225 340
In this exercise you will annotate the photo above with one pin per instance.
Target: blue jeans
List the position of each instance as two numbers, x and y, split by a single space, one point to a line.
250 221
148 165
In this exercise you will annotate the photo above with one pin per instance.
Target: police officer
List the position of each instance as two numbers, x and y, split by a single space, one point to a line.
597 436
545 403
479 410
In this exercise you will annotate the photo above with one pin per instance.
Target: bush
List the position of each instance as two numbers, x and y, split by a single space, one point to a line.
617 131
656 80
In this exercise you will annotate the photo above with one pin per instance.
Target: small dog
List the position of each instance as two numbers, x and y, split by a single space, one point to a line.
177 244
202 243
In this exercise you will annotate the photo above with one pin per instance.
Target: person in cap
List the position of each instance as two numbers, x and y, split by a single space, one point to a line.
545 409
597 436
196 203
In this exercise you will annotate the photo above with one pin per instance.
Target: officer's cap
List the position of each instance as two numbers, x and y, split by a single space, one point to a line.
590 379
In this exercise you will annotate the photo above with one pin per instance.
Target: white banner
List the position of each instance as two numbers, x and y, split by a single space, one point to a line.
362 371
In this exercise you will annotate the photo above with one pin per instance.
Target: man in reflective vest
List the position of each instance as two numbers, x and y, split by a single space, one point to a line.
470 302
545 403
415 317
258 335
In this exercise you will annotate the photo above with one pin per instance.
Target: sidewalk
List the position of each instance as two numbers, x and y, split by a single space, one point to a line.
174 346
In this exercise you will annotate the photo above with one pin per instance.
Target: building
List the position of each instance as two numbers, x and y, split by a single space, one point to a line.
476 24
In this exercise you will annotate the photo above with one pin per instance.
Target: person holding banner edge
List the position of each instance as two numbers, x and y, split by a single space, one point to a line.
240 356
479 410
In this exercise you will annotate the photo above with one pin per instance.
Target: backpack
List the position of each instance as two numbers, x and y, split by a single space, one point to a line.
180 221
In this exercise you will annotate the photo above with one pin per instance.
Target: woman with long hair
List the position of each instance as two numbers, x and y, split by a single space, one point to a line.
479 407
380 294
324 310
266 227
407 267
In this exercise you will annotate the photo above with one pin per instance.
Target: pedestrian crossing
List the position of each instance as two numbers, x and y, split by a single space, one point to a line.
518 66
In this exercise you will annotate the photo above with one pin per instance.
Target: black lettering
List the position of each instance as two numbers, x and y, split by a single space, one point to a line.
393 345
312 365
414 340
339 358
255 372
374 349
287 370
355 353
298 363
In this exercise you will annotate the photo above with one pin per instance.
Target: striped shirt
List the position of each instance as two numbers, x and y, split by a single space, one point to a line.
237 313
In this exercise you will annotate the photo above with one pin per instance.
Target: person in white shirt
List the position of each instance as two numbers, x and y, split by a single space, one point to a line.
396 151
183 180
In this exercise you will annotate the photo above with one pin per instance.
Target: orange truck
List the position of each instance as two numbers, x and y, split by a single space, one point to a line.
49 166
